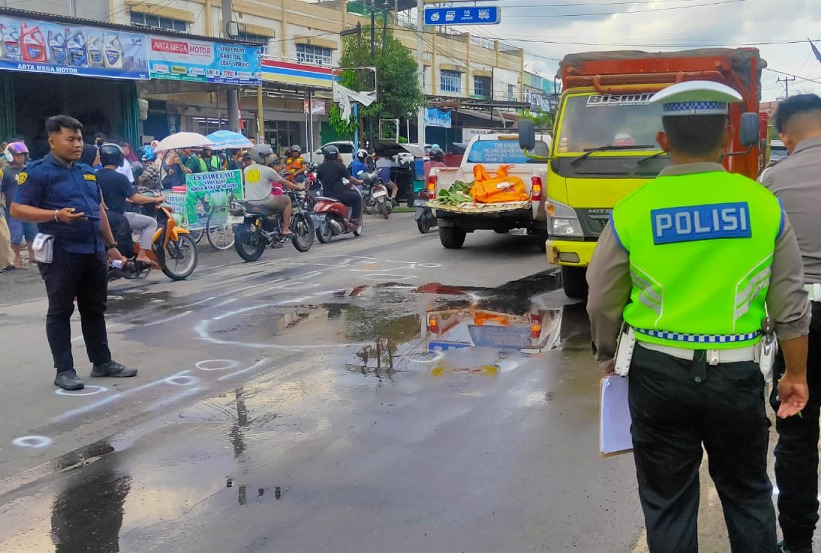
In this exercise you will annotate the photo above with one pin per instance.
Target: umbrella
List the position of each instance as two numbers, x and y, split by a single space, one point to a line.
224 140
182 140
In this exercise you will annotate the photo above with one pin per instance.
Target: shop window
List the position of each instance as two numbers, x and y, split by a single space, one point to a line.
156 22
511 92
450 81
317 55
481 87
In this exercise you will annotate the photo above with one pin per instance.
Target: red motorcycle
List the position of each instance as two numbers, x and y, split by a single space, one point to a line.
332 218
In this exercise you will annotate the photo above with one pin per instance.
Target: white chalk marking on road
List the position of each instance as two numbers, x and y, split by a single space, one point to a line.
221 364
296 300
31 441
167 319
246 369
183 380
173 398
113 398
87 391
297 284
206 300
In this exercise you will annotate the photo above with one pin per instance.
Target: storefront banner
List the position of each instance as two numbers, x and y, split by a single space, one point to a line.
198 61
208 191
437 118
297 73
61 49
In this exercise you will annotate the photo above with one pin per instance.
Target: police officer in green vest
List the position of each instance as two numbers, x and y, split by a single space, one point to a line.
693 262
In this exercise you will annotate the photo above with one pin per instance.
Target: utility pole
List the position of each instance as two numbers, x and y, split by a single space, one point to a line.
233 92
786 81
420 69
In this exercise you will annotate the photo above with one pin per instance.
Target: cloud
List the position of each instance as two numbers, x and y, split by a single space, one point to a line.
734 23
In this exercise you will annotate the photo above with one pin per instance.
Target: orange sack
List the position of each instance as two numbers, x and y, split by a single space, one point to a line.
488 189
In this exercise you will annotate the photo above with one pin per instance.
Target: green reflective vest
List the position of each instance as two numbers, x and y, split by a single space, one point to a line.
700 247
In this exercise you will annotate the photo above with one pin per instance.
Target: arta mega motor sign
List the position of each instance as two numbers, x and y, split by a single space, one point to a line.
201 61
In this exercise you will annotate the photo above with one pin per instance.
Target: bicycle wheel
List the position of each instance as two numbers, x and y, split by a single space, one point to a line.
219 233
196 235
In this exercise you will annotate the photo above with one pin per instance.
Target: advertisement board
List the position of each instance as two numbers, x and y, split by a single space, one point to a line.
62 49
181 59
207 191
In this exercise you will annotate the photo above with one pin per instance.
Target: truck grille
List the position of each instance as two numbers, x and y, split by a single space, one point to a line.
594 220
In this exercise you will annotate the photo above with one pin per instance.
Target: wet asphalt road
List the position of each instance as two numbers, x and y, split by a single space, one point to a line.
301 404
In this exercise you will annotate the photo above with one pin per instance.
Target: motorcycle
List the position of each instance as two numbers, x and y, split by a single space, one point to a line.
425 219
172 247
375 195
256 227
331 218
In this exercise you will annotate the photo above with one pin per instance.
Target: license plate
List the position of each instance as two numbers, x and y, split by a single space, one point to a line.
420 203
318 218
234 219
379 194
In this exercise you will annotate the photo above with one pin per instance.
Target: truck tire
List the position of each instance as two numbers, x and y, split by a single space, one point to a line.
452 237
574 282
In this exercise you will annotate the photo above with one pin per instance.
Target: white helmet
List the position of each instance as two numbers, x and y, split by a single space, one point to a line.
362 155
260 152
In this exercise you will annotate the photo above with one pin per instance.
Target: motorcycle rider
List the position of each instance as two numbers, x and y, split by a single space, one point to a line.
264 186
437 159
331 174
384 164
360 163
295 166
117 191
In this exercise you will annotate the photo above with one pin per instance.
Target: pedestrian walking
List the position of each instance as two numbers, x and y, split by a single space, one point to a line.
796 182
693 262
64 199
16 156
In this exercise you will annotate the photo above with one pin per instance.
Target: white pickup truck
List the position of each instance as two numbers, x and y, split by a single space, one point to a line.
492 150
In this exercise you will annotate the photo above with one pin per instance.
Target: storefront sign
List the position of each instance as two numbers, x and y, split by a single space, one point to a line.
297 73
208 191
60 49
193 60
317 107
437 118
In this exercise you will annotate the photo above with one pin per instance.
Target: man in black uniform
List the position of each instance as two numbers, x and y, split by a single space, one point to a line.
64 199
330 174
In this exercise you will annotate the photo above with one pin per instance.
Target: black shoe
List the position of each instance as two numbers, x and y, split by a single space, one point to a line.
113 369
783 548
67 380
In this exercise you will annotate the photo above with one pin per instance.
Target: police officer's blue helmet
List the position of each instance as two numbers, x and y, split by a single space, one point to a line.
111 154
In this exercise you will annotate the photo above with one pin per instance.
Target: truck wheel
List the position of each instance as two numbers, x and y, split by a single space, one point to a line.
574 282
452 237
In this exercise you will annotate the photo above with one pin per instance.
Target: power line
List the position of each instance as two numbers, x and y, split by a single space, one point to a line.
628 12
791 75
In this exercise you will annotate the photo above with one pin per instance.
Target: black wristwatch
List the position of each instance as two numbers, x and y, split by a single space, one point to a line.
109 246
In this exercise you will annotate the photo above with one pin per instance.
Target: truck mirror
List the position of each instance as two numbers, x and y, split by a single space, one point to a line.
527 134
748 131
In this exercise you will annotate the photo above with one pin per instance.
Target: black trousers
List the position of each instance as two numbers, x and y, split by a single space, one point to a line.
85 277
353 200
679 406
796 454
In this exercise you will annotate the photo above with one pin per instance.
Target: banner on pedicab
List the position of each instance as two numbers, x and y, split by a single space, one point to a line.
206 192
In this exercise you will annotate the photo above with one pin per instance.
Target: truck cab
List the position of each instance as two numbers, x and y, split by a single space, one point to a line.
604 140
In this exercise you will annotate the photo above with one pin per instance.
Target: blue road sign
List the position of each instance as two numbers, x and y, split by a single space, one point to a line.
475 15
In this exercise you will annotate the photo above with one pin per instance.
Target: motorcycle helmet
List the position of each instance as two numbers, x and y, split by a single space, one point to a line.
137 169
260 152
15 148
111 154
437 154
148 153
296 149
330 152
361 155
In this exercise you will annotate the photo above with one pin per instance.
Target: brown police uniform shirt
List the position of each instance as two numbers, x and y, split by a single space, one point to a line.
796 182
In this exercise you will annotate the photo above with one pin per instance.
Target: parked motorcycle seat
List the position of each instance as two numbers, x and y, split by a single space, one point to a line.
261 209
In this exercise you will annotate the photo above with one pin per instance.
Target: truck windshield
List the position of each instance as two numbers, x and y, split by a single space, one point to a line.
504 151
597 121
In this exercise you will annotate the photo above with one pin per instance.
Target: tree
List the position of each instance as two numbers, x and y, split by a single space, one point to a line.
541 119
398 94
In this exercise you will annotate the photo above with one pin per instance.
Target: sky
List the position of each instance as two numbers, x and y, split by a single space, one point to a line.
549 29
